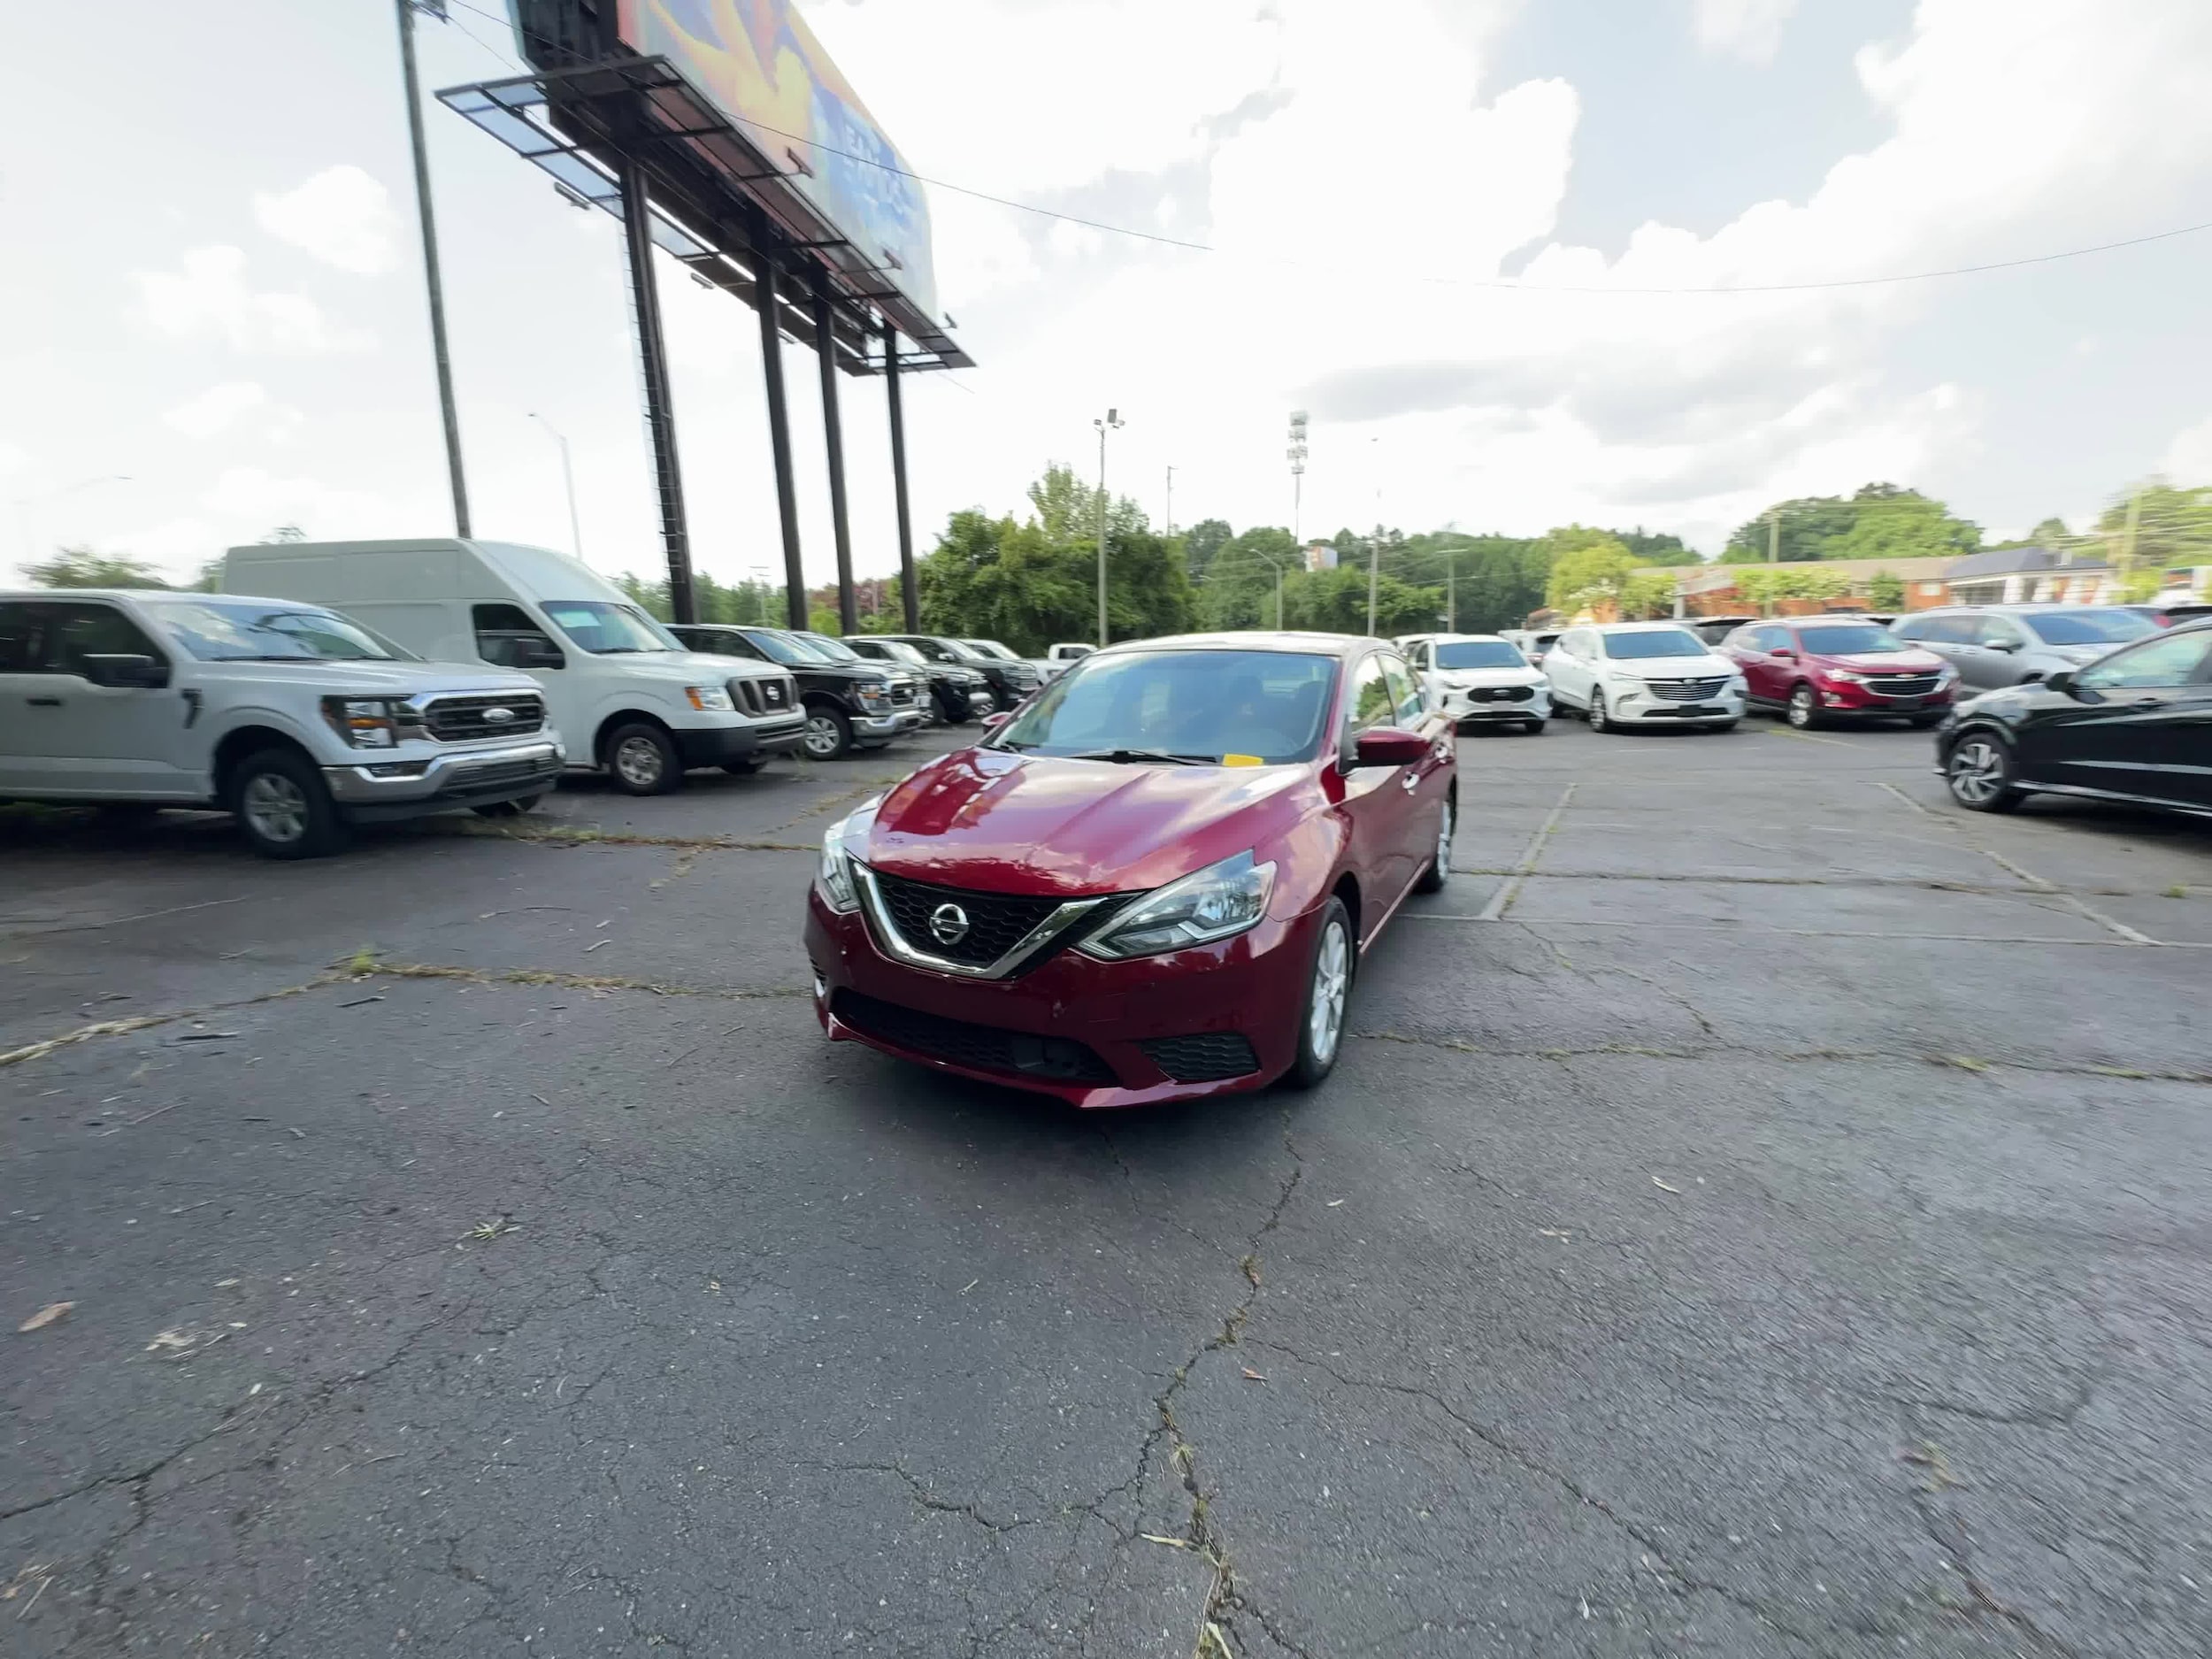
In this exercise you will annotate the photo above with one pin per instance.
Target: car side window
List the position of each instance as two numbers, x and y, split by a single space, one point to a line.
735 645
1951 630
75 632
1995 631
1404 693
2169 661
18 632
506 635
1370 703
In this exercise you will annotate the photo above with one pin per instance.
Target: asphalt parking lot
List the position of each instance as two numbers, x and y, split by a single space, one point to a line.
1763 1211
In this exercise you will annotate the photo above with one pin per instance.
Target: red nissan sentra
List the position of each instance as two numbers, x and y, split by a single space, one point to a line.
1154 881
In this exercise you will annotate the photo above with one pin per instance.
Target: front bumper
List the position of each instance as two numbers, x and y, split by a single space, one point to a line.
1840 697
886 725
1252 986
475 777
1467 709
718 745
1642 707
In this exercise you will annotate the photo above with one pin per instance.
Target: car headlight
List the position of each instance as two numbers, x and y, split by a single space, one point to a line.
364 722
1945 674
1845 675
834 875
873 694
710 699
1215 903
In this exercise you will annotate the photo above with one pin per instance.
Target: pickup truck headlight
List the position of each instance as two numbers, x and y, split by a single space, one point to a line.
710 699
872 695
834 875
1215 903
364 722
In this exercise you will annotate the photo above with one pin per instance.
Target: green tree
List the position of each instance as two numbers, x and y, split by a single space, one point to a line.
2172 528
1647 594
1590 567
82 567
1885 591
1201 542
1877 521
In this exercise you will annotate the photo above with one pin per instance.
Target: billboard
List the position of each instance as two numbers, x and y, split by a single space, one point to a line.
759 64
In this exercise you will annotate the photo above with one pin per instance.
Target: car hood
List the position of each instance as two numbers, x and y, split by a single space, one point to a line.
1704 667
1457 679
998 822
1886 662
378 680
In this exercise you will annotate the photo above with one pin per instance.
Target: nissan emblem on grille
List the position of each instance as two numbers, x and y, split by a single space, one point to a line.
949 924
498 717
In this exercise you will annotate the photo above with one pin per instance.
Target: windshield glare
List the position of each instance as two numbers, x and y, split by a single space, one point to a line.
782 648
1204 704
606 630
835 650
1855 639
905 653
1652 643
217 632
2090 627
1478 654
990 648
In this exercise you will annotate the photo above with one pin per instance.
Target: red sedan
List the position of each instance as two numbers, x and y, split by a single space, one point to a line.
1154 881
1817 669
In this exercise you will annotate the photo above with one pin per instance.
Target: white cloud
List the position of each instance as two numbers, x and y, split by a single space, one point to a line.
2188 458
217 410
14 459
207 296
1748 29
253 495
341 216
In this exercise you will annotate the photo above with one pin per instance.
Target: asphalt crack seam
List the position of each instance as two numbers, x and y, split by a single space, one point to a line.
1678 1578
146 1022
378 966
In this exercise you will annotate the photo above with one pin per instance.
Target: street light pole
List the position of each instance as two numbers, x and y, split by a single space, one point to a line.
1112 422
431 278
568 482
1297 453
1170 499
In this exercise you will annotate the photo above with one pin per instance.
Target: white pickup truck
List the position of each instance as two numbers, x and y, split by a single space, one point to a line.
295 720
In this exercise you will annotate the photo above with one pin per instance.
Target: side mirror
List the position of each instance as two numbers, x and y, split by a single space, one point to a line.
130 671
1389 746
996 718
2062 682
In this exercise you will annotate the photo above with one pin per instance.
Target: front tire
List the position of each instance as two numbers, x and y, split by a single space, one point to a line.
1328 993
1802 712
1979 771
1600 720
1534 728
829 734
641 760
283 807
1440 870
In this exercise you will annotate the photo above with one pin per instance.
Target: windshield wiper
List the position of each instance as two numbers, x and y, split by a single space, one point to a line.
1126 757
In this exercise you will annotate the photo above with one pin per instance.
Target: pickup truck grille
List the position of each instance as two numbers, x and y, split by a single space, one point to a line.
470 719
773 694
1686 690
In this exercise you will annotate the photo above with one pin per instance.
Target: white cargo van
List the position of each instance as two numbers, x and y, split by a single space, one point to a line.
623 692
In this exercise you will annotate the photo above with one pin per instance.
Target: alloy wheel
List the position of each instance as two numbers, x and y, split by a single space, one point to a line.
1800 710
1332 978
1977 772
639 761
822 741
275 806
1598 720
1444 838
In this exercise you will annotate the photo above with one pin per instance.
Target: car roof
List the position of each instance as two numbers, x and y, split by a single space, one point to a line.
1639 627
1288 642
152 595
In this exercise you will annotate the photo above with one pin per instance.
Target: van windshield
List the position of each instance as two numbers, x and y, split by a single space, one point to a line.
607 630
254 630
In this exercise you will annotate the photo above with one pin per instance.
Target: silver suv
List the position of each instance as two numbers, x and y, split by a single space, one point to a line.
1992 645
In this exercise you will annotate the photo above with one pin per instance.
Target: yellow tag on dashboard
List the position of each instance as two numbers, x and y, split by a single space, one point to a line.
1242 760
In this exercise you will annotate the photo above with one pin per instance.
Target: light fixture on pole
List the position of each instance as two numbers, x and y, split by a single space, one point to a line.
1112 423
568 482
1297 453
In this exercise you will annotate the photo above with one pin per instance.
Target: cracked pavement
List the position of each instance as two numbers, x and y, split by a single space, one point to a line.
1762 1210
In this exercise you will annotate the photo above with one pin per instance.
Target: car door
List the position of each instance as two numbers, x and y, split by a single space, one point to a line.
1426 784
26 702
2138 722
1376 803
107 740
1765 675
1569 676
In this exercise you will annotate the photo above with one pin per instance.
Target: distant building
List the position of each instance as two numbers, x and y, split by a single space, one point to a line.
1999 576
2027 576
1320 555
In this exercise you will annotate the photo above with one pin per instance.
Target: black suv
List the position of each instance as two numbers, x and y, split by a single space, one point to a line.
849 706
1009 681
960 689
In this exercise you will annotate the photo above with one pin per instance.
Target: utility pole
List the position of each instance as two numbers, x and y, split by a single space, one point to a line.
1297 453
1113 422
1374 565
568 482
2127 548
1451 594
1774 535
1170 499
431 279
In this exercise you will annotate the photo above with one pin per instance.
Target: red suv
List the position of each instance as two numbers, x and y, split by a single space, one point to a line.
1154 881
1815 669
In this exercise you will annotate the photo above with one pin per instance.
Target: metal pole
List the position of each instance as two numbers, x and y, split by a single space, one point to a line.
910 601
431 278
833 436
1774 536
660 410
568 482
1451 594
1374 558
1101 535
1170 501
779 444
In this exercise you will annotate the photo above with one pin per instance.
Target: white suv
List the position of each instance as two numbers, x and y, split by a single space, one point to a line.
1480 680
1643 674
296 720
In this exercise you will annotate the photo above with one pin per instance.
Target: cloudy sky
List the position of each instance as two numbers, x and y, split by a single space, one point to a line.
1459 232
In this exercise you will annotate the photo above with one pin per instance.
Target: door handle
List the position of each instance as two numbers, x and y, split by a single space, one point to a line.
43 703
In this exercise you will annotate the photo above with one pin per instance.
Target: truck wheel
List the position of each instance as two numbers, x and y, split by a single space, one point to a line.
828 733
641 760
283 808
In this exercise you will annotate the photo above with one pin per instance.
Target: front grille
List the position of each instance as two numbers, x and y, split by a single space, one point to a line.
769 694
467 780
902 695
997 921
1686 690
1499 694
1903 685
1013 1053
461 720
1205 1056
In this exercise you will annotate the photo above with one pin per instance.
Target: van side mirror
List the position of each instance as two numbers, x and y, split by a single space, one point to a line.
2062 682
540 654
129 670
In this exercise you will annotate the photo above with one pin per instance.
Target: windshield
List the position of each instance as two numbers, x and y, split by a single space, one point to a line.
1204 705
1849 639
835 650
990 648
216 631
942 651
606 630
782 648
905 653
2090 627
1478 654
1646 643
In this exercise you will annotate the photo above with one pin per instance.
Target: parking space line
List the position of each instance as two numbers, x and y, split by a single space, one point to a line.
2122 943
1807 737
1924 811
1510 890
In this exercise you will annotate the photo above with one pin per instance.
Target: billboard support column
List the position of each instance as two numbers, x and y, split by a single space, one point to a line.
430 270
833 436
794 611
660 413
910 600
